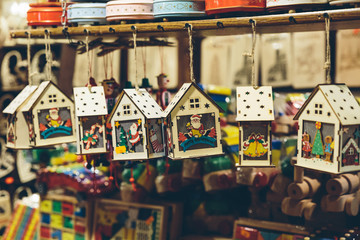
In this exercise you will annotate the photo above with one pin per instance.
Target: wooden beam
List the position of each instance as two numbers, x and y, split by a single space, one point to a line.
275 23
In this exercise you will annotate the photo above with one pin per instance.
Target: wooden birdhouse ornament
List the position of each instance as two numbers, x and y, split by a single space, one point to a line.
192 124
49 115
16 122
137 126
91 111
329 130
255 112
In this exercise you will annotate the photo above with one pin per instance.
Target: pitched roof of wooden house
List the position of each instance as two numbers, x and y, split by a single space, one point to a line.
90 102
254 104
20 99
38 93
341 101
182 91
143 100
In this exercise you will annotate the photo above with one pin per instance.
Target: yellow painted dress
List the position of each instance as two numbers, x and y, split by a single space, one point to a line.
255 146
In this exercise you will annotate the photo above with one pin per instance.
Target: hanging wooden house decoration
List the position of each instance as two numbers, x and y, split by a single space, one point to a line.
192 124
137 126
49 115
16 122
255 112
91 111
329 130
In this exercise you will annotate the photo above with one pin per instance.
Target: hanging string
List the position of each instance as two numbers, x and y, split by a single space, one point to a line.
161 52
105 60
48 55
111 64
327 65
135 59
252 54
144 60
29 58
89 59
191 53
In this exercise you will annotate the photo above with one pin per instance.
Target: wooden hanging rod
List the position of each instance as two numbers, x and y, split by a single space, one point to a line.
292 22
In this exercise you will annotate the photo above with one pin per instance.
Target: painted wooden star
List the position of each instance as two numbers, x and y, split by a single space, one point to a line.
84 119
261 93
135 111
207 105
182 107
139 121
117 124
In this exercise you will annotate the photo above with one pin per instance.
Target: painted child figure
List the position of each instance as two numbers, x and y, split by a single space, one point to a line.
162 95
306 145
328 148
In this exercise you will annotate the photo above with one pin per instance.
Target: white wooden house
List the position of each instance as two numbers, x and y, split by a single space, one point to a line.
255 112
192 124
329 124
16 123
49 114
90 111
137 126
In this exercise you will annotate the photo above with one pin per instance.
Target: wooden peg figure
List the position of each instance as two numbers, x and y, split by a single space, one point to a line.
163 96
328 148
306 145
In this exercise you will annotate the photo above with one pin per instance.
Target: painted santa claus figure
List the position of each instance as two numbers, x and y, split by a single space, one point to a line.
195 126
134 135
54 119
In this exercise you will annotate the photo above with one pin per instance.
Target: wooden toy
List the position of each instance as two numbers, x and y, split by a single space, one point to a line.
16 122
176 8
329 134
218 174
192 170
343 194
348 203
124 10
87 13
137 126
49 115
90 110
169 177
275 5
298 208
45 14
125 220
306 189
255 111
64 217
162 95
257 177
110 89
224 6
192 124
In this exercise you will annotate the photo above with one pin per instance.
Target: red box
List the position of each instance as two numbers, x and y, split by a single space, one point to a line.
246 233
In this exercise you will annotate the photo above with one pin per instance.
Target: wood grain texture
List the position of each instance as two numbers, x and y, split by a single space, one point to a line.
293 22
